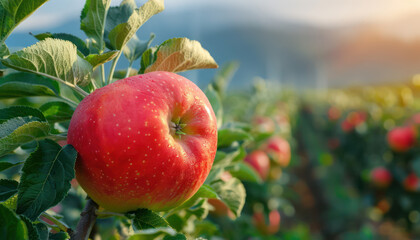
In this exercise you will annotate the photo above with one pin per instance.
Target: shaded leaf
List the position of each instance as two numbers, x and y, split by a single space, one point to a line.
32 231
232 193
80 44
4 50
58 236
145 219
205 191
11 226
57 111
123 32
98 59
8 188
92 21
244 172
42 230
118 15
22 84
178 55
135 47
226 136
46 178
7 165
120 74
52 58
12 12
20 125
178 236
216 104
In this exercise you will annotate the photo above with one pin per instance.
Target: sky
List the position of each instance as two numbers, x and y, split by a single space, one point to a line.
325 13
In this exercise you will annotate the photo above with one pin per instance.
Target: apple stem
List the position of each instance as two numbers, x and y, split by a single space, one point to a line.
86 222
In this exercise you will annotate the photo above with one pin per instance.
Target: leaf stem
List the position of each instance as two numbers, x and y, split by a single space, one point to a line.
127 74
74 87
104 214
114 64
86 222
103 74
59 224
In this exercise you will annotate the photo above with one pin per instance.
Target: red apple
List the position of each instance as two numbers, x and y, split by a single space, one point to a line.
146 141
381 177
402 139
346 126
334 113
279 149
411 182
264 124
260 162
273 222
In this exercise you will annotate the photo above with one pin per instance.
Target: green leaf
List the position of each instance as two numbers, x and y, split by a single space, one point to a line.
42 231
227 136
7 165
20 111
12 12
57 111
22 84
232 193
4 50
225 156
53 58
123 32
92 21
32 231
135 47
179 236
10 203
19 125
178 55
46 178
223 77
8 188
146 219
118 15
58 236
200 210
244 172
120 74
80 44
216 103
11 226
147 59
98 59
205 191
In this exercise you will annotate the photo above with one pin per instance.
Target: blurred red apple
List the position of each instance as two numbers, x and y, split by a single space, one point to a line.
401 139
279 149
334 114
411 182
273 222
264 124
260 162
381 177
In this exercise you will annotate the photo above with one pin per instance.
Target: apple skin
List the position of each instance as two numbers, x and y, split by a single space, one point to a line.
401 139
279 149
381 177
411 182
129 154
260 162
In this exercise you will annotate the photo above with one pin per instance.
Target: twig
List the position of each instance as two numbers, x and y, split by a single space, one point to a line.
86 222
